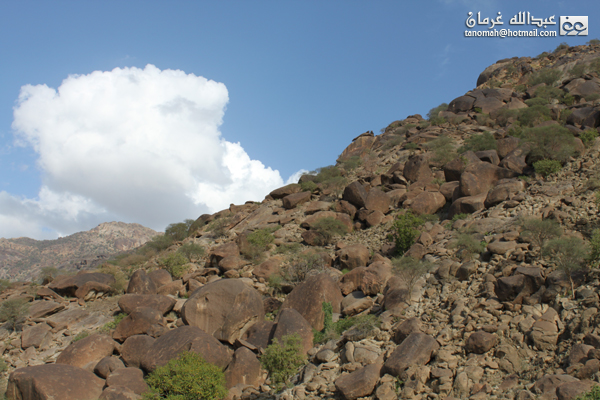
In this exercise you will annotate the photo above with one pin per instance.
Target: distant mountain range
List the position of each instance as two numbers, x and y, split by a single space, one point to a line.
23 258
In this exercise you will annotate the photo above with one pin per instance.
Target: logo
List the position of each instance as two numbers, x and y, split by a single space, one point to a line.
574 26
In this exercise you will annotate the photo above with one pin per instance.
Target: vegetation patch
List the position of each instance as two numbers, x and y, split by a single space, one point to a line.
282 360
404 232
175 263
547 167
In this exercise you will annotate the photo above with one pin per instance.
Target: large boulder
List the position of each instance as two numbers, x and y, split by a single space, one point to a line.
140 321
461 104
225 309
290 321
134 349
377 200
480 342
359 383
130 378
308 297
185 338
68 285
34 336
87 352
427 203
354 256
345 219
467 205
130 302
359 146
480 177
453 169
355 194
53 381
286 190
416 349
244 369
141 283
292 200
417 169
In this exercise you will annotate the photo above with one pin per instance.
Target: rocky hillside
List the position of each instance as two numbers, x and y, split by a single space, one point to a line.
23 258
453 257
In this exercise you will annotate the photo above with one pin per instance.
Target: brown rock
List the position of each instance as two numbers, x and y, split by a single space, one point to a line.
134 349
490 156
572 390
395 294
307 298
220 252
244 369
67 319
141 321
130 378
281 192
130 302
375 278
453 169
467 205
481 177
504 190
290 321
87 352
268 268
355 194
34 335
417 169
405 328
92 290
374 218
53 381
292 200
461 104
354 256
345 207
506 145
309 222
160 277
141 283
428 203
359 146
43 308
260 334
67 285
480 342
416 349
185 338
355 303
225 309
118 393
359 383
351 281
377 200
548 383
447 189
108 365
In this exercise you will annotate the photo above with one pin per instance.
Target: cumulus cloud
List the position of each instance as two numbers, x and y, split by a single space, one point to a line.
131 144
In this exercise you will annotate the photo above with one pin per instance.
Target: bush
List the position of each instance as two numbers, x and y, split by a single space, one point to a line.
409 270
548 93
328 228
106 328
433 114
577 71
288 248
561 46
593 394
79 336
456 217
404 232
536 101
175 263
13 312
593 42
192 251
546 75
443 148
547 167
282 360
303 266
568 253
588 137
121 280
47 275
467 246
3 367
259 242
179 231
540 231
218 227
595 246
4 284
351 163
505 116
160 242
533 115
549 143
187 377
481 142
308 186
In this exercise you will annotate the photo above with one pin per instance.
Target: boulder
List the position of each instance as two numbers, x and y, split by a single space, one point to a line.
355 303
504 190
353 256
506 145
377 200
130 378
108 365
53 381
244 369
293 200
490 156
416 349
355 194
134 349
92 290
87 352
268 267
281 192
141 283
225 309
130 302
260 334
488 104
481 177
375 278
359 383
160 277
417 169
309 222
44 308
449 189
307 298
467 205
405 328
480 342
118 393
68 285
461 104
572 390
33 336
185 338
222 251
428 203
141 321
359 146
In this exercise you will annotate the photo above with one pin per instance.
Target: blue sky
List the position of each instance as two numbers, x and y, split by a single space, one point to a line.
298 81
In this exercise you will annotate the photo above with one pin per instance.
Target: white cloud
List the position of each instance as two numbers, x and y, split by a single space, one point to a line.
131 144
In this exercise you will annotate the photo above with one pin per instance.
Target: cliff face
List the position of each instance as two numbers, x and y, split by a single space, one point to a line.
23 258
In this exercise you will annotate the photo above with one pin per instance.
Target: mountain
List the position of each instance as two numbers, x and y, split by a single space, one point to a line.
448 257
23 258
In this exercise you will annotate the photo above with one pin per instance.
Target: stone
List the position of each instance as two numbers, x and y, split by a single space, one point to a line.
375 278
377 200
130 378
293 200
107 365
355 194
290 321
461 104
501 248
359 383
160 277
53 381
504 190
453 169
68 285
506 145
355 303
417 169
572 390
185 338
480 342
307 298
244 369
87 352
221 252
33 336
416 349
134 349
427 203
44 308
130 302
467 205
225 309
450 190
353 256
67 319
309 222
548 383
260 334
488 104
140 283
118 393
281 192
405 328
141 321
480 177
269 267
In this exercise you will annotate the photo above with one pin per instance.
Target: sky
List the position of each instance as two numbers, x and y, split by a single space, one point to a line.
154 112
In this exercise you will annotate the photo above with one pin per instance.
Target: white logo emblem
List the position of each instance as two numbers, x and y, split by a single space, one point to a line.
574 26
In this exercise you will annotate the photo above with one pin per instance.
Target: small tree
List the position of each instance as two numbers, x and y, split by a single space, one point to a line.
540 230
282 360
175 263
192 251
301 267
187 377
328 228
568 253
410 270
404 232
13 312
485 141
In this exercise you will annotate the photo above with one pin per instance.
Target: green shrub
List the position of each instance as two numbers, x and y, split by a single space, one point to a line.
578 71
410 270
549 143
13 312
79 336
547 167
433 114
288 248
179 231
175 263
443 148
392 142
533 115
568 253
540 231
588 137
548 93
218 227
187 377
351 163
106 328
160 242
404 232
593 394
121 280
3 367
4 284
595 246
192 251
301 267
328 228
326 333
546 75
456 217
259 242
282 360
561 46
536 101
308 186
468 246
593 42
505 116
485 141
